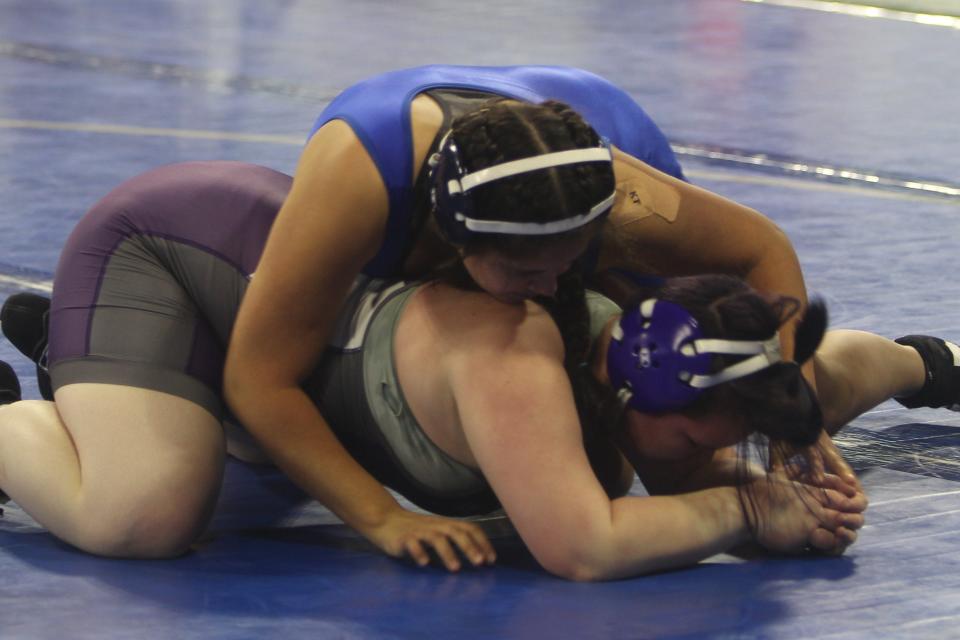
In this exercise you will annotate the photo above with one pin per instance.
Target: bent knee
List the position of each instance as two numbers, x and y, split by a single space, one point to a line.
150 531
28 412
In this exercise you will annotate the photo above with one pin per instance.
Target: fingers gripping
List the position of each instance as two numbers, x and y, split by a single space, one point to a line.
839 518
810 514
449 542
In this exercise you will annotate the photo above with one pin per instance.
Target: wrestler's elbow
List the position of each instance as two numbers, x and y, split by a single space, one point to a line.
561 563
240 387
776 242
577 571
582 558
580 567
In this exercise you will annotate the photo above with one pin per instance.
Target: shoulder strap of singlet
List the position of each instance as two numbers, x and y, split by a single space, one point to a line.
453 103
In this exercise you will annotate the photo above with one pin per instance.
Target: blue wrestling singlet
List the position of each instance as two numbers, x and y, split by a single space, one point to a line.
378 111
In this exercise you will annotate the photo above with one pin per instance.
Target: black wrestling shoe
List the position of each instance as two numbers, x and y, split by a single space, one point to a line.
941 360
9 384
24 320
9 392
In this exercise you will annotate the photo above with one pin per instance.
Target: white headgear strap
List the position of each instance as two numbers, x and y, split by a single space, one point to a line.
524 165
765 353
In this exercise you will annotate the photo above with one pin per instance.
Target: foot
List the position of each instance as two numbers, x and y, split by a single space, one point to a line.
24 320
941 361
9 384
9 392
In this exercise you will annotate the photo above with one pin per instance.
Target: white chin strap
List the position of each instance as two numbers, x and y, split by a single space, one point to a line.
524 165
765 353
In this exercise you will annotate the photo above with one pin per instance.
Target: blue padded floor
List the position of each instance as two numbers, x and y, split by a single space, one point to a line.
840 127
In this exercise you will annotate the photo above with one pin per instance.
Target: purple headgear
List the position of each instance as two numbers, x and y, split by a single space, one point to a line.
659 361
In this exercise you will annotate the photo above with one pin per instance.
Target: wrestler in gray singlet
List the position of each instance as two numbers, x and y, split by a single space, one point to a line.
356 385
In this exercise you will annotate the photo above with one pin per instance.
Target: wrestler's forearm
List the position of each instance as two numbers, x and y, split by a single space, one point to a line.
650 534
299 441
776 269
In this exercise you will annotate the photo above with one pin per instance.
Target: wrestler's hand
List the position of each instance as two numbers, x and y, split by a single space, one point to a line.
791 517
406 533
825 467
824 457
854 500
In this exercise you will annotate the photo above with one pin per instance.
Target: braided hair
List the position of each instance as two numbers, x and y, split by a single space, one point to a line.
504 130
598 407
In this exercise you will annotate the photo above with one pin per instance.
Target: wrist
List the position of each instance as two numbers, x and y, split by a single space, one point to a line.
731 516
373 517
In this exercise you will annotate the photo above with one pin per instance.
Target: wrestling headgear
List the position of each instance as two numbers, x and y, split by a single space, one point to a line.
453 205
658 359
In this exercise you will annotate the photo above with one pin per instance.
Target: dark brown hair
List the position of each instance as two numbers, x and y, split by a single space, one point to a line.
503 130
774 402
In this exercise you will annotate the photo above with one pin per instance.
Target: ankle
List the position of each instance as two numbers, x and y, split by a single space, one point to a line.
911 364
941 373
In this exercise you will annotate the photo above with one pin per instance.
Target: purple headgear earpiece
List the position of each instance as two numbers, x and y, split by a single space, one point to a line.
659 361
453 205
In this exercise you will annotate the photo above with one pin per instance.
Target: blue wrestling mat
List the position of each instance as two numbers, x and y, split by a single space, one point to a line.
840 126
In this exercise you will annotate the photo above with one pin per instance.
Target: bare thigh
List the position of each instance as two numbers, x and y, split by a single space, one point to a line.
151 466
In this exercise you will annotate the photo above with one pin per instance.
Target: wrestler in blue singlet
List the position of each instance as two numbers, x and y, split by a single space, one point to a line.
378 111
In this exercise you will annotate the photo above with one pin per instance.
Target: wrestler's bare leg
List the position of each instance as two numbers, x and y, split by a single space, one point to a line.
114 470
857 370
